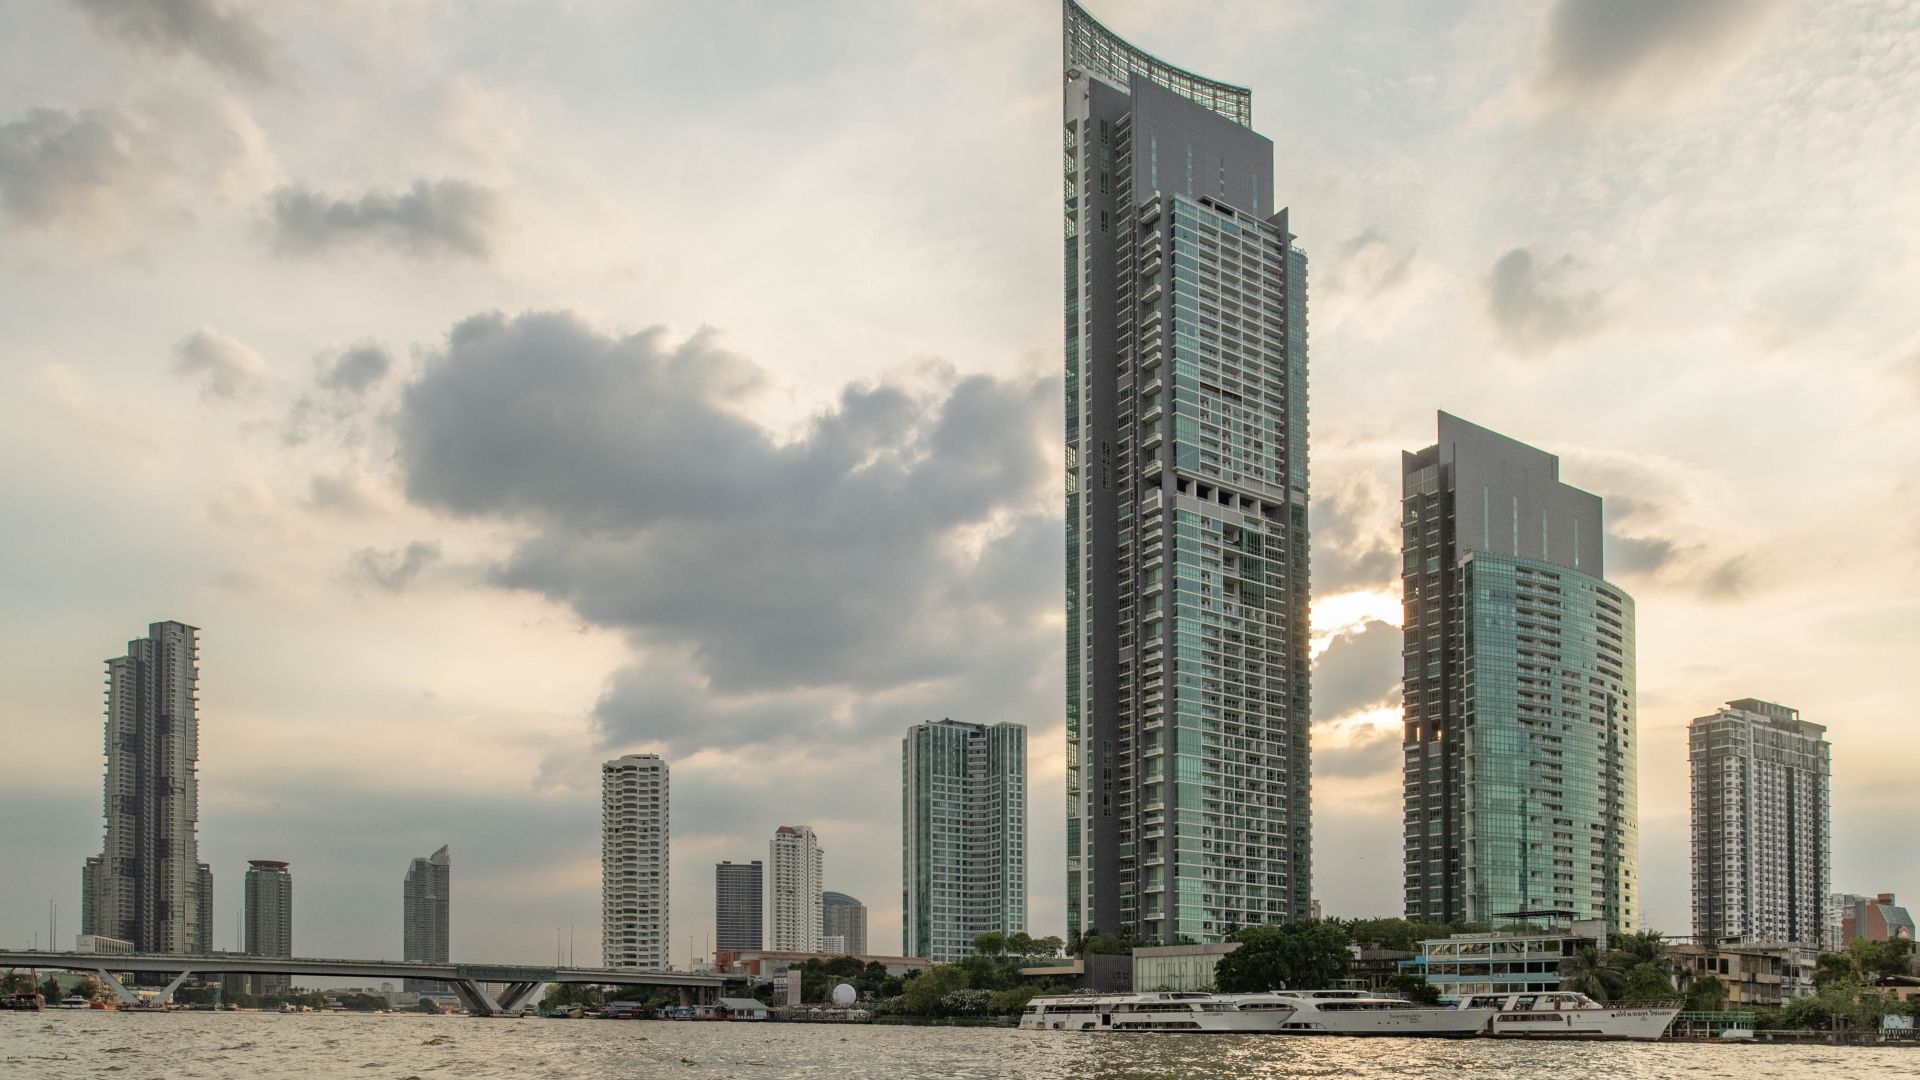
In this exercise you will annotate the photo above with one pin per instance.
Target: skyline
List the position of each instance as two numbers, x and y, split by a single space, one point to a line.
309 511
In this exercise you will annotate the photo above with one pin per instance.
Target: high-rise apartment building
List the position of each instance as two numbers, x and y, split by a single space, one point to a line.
795 868
1188 776
1518 689
1762 826
269 921
203 943
427 915
844 918
964 852
144 887
633 862
737 897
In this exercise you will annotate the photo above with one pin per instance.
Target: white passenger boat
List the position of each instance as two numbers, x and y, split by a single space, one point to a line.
1357 1012
1563 1014
1163 1012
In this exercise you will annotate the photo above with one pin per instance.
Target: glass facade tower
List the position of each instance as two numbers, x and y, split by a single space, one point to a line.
964 856
1188 769
1518 691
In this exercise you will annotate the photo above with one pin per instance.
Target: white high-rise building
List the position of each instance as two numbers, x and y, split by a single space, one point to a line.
795 868
144 886
633 862
1762 827
964 857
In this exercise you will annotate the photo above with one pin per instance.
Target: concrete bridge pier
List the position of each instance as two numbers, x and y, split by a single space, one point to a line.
126 996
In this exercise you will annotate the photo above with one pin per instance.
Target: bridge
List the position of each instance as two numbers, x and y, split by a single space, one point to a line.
522 983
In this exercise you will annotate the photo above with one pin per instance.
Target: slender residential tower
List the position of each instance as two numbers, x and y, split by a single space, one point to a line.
269 894
964 818
845 918
1188 770
144 887
633 862
1762 831
795 867
426 926
1518 690
738 893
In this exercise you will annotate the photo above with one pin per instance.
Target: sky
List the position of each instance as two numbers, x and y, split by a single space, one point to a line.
505 387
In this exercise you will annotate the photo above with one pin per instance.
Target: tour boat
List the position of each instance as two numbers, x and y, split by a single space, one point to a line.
1162 1012
1358 1012
73 1001
1564 1014
21 1002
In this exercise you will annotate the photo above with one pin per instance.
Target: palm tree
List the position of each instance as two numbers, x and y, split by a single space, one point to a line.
1589 972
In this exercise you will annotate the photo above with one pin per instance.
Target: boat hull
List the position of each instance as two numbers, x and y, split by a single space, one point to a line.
1630 1024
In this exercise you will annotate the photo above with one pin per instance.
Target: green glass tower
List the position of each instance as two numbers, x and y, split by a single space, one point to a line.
964 827
1188 769
1518 692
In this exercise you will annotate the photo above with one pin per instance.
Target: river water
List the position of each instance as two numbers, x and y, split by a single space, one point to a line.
266 1046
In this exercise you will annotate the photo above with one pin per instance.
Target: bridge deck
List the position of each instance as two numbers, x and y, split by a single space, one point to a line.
234 964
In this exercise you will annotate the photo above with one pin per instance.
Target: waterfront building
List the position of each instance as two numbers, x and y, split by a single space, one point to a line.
1178 967
1756 973
1517 962
1876 918
269 918
843 917
633 862
737 898
1518 692
426 924
144 887
1762 834
964 856
795 867
1188 770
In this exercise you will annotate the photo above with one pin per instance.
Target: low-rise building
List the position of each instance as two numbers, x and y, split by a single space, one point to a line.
741 1008
762 962
1099 972
1502 963
1373 969
1178 967
1876 918
1762 973
101 945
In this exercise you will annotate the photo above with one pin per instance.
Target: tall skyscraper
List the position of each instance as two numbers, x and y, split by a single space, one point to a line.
427 916
269 888
1518 690
964 851
844 918
1188 776
144 886
737 896
633 862
795 868
203 942
1762 830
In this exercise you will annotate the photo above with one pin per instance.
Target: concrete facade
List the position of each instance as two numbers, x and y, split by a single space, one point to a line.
427 915
1520 783
964 836
1755 973
269 918
795 867
738 896
634 830
1502 963
1762 832
1188 766
1178 967
144 887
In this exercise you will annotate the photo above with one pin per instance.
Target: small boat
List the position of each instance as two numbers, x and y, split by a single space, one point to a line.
74 1001
1359 1012
1564 1014
1172 1011
22 1003
102 1003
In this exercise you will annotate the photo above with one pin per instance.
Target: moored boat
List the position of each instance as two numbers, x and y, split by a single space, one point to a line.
1564 1014
1171 1011
1358 1012
73 1001
22 1003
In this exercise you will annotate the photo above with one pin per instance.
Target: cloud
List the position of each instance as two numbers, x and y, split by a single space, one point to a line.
357 369
393 571
1533 306
898 553
227 369
1359 671
220 37
1369 264
443 217
1594 48
55 164
1355 526
1360 751
1648 554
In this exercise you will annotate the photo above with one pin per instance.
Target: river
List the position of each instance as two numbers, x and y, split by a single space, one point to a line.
266 1046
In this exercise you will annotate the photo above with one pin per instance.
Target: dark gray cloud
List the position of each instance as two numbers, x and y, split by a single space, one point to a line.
432 218
215 33
54 163
226 369
357 369
1358 671
1353 531
1647 555
902 548
1534 306
1595 45
1370 264
393 571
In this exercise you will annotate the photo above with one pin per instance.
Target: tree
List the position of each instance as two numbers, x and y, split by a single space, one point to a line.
1832 967
50 989
1645 983
923 994
569 995
1300 956
16 982
1588 972
990 945
1641 947
1095 943
1707 994
1414 988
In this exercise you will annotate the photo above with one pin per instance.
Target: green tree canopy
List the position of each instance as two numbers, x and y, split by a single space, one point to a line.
1299 956
1646 982
1707 994
1588 971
